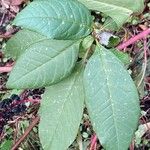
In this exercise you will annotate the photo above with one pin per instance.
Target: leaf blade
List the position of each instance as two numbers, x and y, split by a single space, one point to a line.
124 57
59 120
110 98
23 39
118 10
43 64
56 19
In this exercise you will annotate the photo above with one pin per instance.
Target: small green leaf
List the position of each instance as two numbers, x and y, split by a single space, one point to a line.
142 129
85 45
110 24
118 10
124 57
87 42
43 64
112 100
6 145
66 19
61 112
113 41
18 44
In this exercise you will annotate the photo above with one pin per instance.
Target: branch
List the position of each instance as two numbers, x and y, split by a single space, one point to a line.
5 36
32 125
134 39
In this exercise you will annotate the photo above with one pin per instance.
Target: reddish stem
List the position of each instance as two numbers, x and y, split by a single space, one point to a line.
132 145
5 69
93 142
134 39
5 36
25 101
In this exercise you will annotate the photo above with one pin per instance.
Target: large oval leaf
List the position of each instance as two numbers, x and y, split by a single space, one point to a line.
112 100
119 10
65 19
43 64
61 112
21 41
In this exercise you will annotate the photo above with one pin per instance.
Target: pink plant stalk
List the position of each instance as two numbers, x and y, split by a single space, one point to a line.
5 69
134 39
93 142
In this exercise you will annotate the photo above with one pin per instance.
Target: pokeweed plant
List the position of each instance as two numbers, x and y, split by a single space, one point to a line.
46 53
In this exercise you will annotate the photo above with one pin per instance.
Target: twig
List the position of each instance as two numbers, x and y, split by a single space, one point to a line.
5 69
144 63
134 39
2 19
15 131
32 125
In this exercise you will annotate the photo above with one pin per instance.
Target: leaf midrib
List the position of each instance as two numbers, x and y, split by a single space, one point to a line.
62 19
64 103
107 83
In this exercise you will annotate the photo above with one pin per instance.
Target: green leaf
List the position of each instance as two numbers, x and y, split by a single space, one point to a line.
112 100
6 145
85 44
43 64
61 112
118 10
124 57
142 129
23 39
66 19
110 24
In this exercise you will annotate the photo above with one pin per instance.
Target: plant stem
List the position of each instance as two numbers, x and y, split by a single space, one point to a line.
134 39
32 125
93 142
5 69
